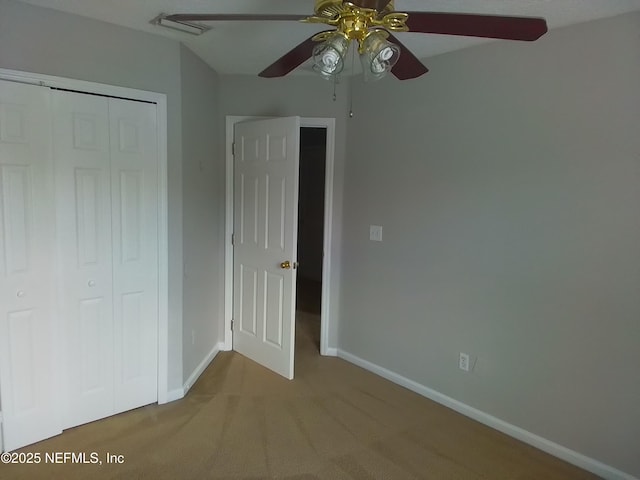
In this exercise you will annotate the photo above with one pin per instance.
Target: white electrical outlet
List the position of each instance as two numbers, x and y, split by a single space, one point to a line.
463 362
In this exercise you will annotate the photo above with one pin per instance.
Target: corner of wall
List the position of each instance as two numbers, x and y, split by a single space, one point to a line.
203 212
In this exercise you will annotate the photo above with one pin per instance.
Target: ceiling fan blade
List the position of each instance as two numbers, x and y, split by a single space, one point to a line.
472 25
408 66
213 17
372 4
289 61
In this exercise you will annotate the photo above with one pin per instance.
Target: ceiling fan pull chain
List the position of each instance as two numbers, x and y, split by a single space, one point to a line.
353 56
335 82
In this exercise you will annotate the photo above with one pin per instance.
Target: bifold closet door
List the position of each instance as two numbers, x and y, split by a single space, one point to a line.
85 276
107 196
28 371
134 210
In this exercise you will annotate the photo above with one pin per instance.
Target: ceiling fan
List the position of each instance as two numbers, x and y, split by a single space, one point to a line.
370 23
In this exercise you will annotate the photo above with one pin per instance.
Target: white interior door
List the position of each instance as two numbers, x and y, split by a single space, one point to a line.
83 205
134 193
27 369
266 167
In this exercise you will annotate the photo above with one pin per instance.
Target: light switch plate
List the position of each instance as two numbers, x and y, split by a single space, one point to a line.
375 233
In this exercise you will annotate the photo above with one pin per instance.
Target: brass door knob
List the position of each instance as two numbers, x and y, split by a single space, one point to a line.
286 264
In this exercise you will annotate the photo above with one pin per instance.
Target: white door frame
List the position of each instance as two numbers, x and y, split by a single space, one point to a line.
160 100
330 125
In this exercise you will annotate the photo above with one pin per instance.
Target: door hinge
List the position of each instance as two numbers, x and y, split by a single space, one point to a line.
232 325
233 239
233 148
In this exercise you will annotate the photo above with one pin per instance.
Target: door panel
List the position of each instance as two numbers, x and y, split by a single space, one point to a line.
134 181
265 221
89 183
93 328
16 188
83 211
248 222
132 336
275 222
273 312
248 300
130 216
27 369
21 325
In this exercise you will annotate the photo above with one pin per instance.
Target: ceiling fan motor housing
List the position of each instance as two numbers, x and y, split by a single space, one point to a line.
334 8
357 22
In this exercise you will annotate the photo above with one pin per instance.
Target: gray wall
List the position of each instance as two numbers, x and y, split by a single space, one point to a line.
306 97
507 182
202 212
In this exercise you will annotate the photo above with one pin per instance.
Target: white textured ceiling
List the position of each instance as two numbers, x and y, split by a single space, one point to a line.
248 47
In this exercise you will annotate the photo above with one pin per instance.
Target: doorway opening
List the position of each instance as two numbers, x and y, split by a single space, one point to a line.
311 204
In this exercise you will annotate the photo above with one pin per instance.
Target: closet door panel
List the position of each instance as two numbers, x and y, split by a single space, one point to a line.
27 304
134 179
83 187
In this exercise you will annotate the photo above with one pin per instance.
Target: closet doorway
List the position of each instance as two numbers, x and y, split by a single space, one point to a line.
48 193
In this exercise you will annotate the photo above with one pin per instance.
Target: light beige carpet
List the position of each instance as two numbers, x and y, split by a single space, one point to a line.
334 421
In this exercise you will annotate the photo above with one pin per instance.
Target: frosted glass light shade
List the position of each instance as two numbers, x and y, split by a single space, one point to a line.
328 56
379 56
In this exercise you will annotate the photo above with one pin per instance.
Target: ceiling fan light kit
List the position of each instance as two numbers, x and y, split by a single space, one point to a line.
365 26
370 24
378 56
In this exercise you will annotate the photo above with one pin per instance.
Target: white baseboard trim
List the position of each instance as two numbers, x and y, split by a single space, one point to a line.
594 466
331 352
201 368
175 394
